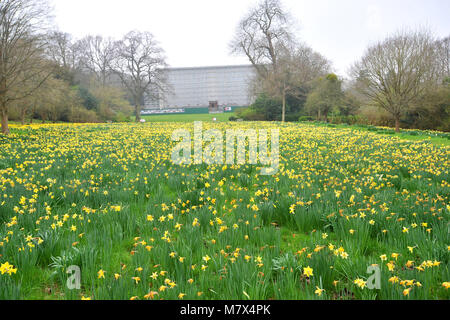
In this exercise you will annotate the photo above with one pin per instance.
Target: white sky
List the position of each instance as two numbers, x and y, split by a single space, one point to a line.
197 32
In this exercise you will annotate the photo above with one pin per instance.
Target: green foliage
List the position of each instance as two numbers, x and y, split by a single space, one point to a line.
332 77
350 104
305 118
326 97
264 108
251 114
432 111
87 98
269 108
121 117
348 119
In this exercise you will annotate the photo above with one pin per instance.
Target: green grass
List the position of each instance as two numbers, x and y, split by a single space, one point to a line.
188 117
221 117
437 138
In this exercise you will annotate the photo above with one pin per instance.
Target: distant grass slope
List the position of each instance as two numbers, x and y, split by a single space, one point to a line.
188 117
435 137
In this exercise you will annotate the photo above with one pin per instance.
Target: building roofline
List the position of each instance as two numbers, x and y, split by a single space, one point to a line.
208 67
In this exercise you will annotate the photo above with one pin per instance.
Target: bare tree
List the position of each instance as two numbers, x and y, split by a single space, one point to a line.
97 54
21 51
265 36
394 73
62 50
28 105
309 64
262 34
443 47
138 62
297 66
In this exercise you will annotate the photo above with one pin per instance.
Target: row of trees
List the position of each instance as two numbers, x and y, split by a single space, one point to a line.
46 74
404 78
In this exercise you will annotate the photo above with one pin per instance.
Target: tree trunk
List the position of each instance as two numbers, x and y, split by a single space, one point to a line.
4 116
397 124
4 108
22 116
318 114
137 109
283 111
33 110
325 116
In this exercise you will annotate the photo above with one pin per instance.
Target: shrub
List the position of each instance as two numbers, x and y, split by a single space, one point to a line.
82 115
250 114
350 119
292 117
305 118
121 117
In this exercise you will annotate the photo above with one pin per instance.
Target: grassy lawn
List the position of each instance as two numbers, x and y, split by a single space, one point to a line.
435 137
188 117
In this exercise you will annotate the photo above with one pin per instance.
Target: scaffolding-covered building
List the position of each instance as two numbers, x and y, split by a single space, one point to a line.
203 89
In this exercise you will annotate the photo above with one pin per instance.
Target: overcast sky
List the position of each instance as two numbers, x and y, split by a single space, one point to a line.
197 32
